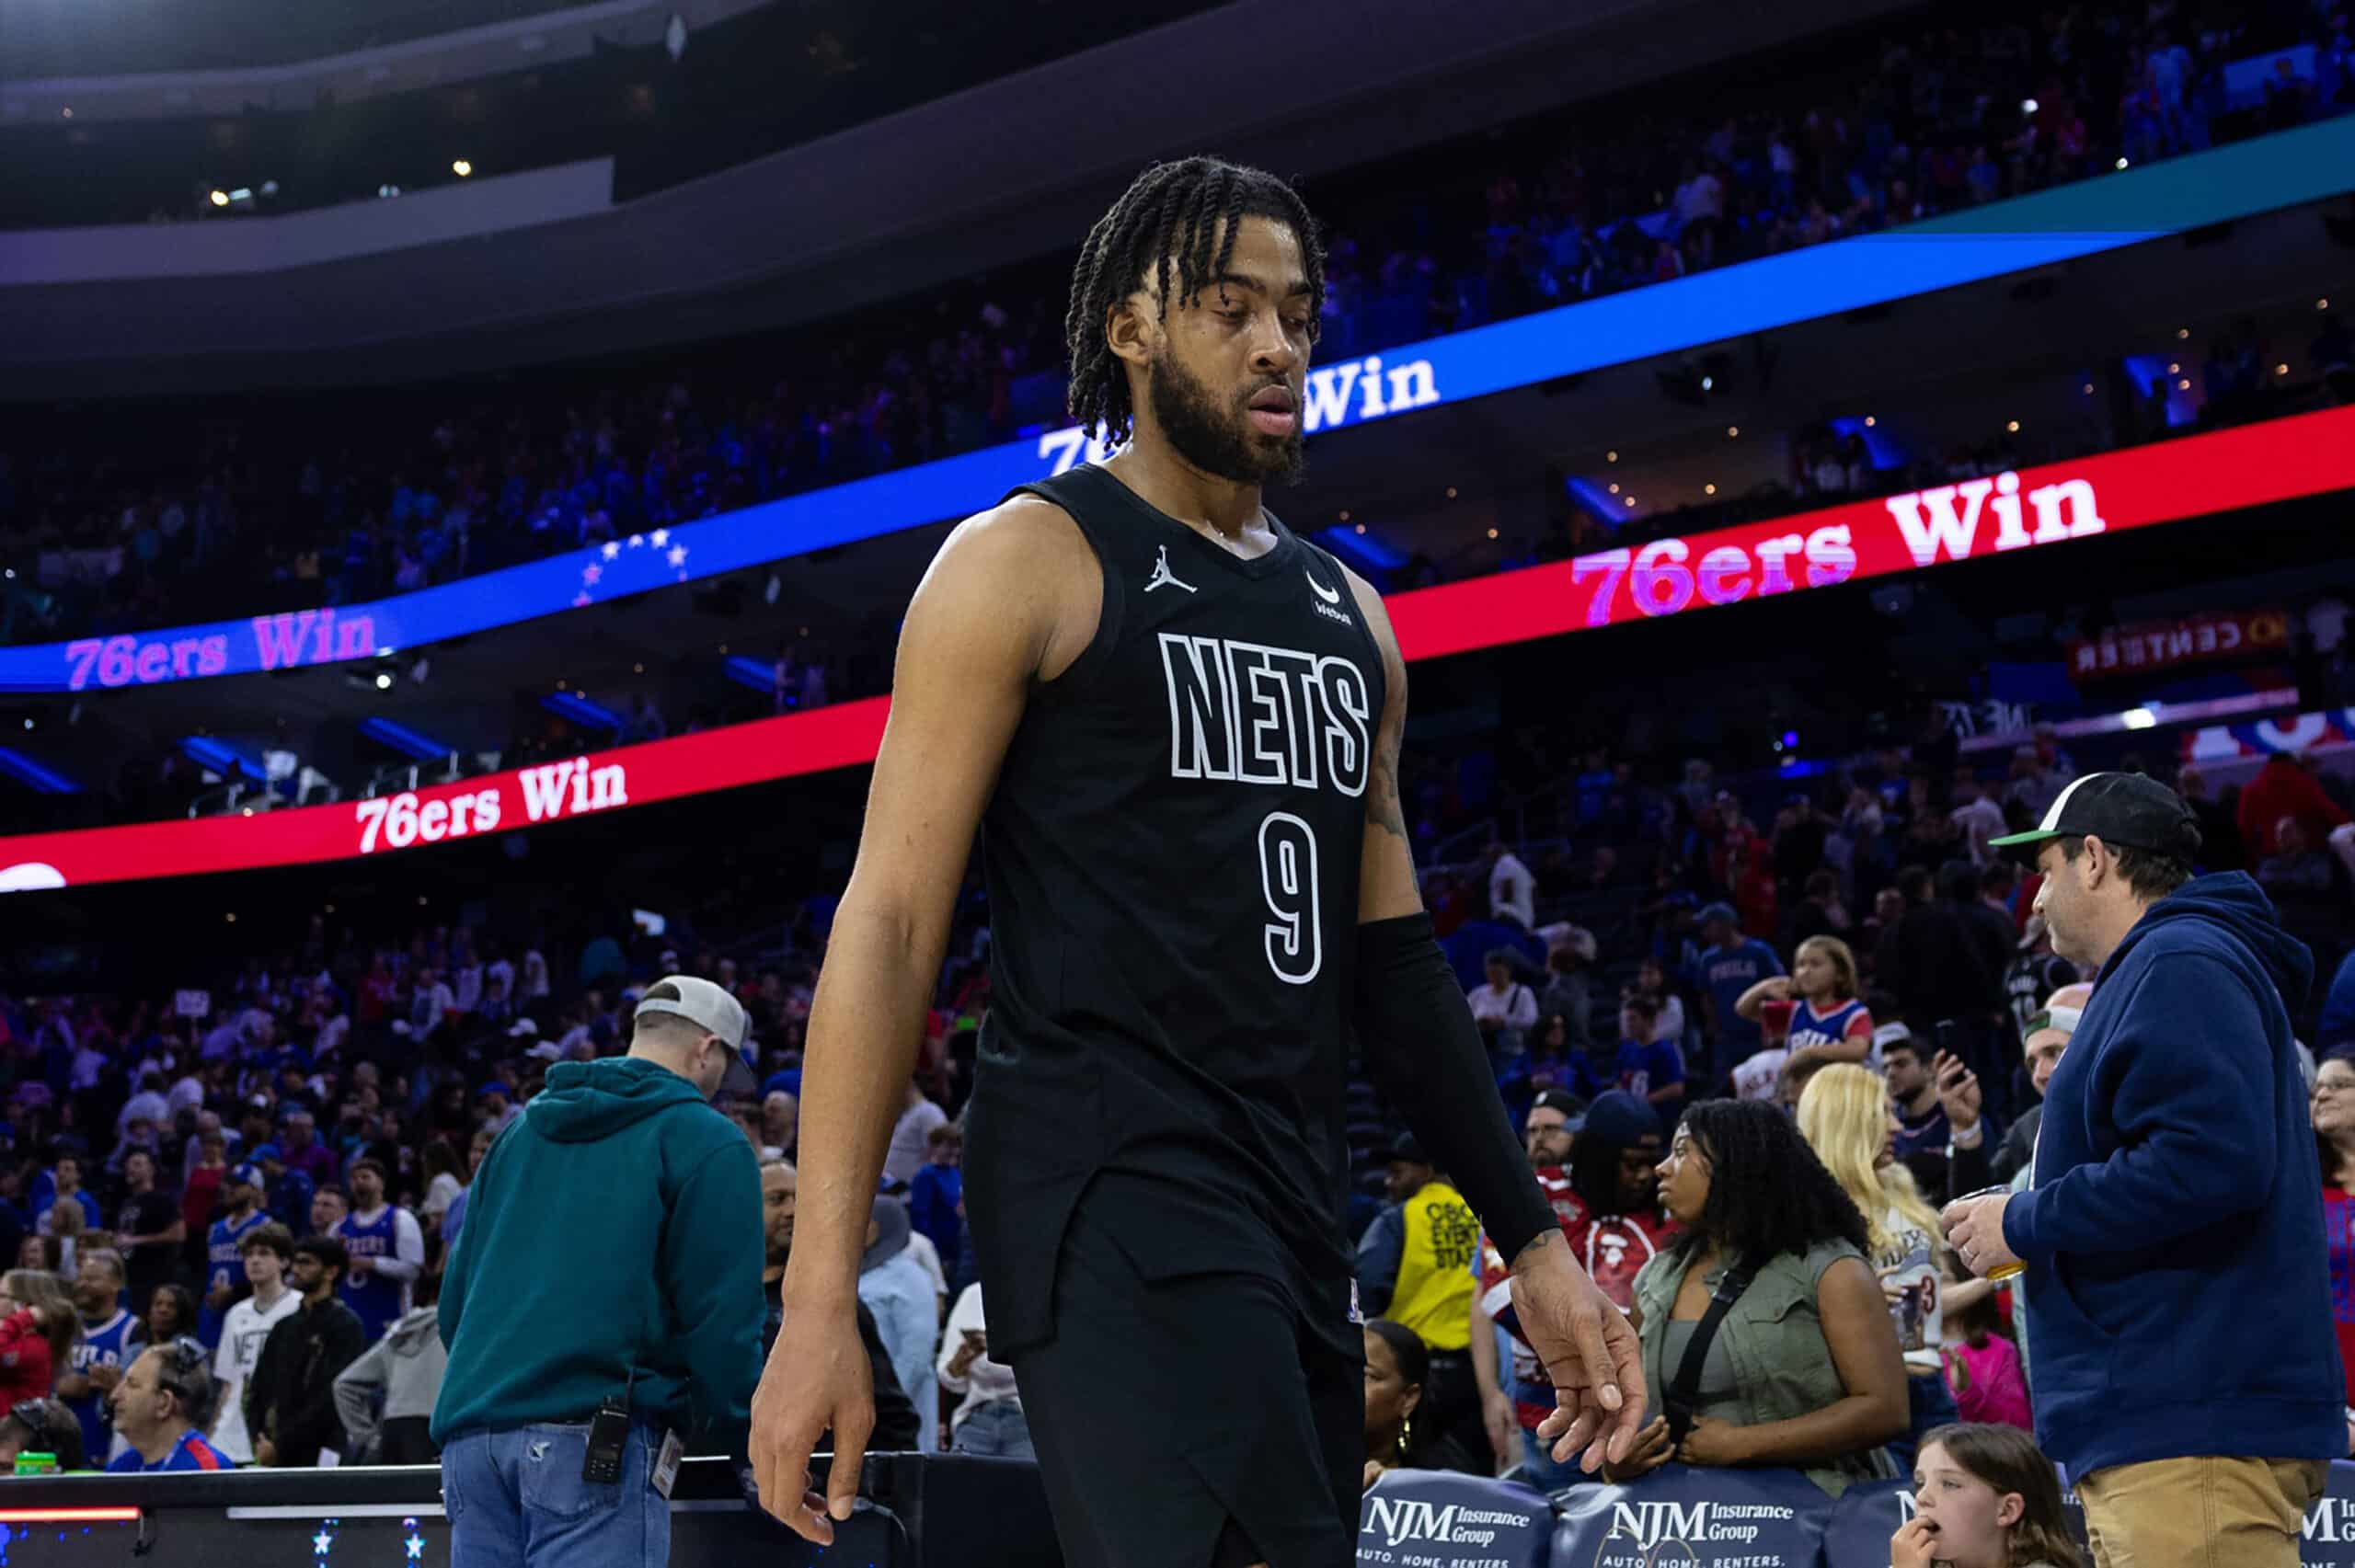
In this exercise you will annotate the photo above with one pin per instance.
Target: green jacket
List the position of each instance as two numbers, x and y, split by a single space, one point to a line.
1773 1336
613 1239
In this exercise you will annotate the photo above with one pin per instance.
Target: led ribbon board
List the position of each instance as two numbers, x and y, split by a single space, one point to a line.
2309 455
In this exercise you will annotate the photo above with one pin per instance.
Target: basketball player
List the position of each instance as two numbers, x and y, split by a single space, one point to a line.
1177 726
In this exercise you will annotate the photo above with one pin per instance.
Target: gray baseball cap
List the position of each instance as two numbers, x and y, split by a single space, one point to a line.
710 1008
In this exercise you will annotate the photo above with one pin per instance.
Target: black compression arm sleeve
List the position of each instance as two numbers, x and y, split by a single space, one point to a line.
1426 1056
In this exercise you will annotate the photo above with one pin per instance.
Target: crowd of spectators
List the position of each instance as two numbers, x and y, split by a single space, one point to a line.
285 506
261 1180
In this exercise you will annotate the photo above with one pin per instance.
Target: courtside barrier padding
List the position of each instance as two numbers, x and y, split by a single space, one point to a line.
1681 1517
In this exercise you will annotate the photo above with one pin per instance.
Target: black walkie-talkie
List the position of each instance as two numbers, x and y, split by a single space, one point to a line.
608 1430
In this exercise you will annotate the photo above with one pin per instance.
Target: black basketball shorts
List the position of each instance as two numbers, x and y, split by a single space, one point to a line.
1194 1422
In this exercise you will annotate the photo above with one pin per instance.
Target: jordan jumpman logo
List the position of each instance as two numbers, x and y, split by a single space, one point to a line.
1163 577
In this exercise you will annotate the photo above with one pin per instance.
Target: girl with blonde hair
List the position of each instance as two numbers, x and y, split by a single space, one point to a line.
1845 1117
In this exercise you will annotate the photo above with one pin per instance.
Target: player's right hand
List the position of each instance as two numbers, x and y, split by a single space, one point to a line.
817 1378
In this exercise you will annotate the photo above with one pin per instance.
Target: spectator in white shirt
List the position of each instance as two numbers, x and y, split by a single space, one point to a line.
187 1094
148 1105
1512 891
910 1137
431 1003
1977 815
1503 1008
267 1249
989 1420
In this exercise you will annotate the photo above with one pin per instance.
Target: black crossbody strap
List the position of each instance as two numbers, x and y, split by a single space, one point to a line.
1686 1386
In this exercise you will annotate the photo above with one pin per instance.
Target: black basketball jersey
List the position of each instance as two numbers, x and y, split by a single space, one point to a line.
1171 857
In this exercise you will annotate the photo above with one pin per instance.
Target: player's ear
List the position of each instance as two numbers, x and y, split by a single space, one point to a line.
1133 326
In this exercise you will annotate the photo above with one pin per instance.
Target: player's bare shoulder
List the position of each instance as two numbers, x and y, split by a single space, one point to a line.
1377 621
1026 565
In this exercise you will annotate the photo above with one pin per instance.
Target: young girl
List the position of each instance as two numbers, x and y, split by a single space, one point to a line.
1829 1024
1985 1497
1983 1370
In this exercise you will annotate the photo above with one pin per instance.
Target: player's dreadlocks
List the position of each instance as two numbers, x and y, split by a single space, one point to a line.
1182 215
1768 1193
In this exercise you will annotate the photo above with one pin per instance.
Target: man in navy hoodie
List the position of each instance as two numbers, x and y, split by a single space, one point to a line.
2186 1371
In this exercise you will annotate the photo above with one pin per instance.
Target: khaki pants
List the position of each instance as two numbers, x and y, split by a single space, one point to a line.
2199 1513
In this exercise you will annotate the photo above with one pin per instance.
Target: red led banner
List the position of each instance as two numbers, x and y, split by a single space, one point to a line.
2309 455
2279 459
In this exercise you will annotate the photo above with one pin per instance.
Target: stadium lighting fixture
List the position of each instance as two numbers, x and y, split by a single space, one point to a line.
384 680
1709 489
2013 426
1614 487
219 198
1610 457
1732 430
461 168
2122 163
1870 421
2139 718
2028 106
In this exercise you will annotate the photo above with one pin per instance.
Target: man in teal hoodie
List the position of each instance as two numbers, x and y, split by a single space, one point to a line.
2186 1372
613 1250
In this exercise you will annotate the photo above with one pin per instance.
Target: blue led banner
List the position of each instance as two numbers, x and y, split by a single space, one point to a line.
1989 241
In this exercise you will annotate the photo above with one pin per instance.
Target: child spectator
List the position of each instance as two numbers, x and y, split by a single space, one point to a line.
938 1194
1985 1497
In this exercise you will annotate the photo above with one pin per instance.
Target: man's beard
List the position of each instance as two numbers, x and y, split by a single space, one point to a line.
1219 441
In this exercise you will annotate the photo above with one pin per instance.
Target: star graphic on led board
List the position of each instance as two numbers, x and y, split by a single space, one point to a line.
322 1543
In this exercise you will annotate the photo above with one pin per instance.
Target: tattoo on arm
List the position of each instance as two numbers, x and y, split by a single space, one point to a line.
1383 805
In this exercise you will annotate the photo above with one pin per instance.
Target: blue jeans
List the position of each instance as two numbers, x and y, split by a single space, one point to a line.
995 1430
516 1500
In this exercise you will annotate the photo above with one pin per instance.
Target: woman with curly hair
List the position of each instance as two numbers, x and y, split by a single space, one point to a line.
1803 1369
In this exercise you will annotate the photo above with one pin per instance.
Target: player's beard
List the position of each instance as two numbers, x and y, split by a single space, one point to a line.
1218 440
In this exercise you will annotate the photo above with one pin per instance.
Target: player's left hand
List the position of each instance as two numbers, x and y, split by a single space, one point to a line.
1589 1349
1975 1230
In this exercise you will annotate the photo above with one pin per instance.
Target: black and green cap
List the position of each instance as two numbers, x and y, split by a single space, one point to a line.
2126 810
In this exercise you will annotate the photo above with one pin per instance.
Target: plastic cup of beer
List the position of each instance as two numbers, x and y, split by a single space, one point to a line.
2001 1271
